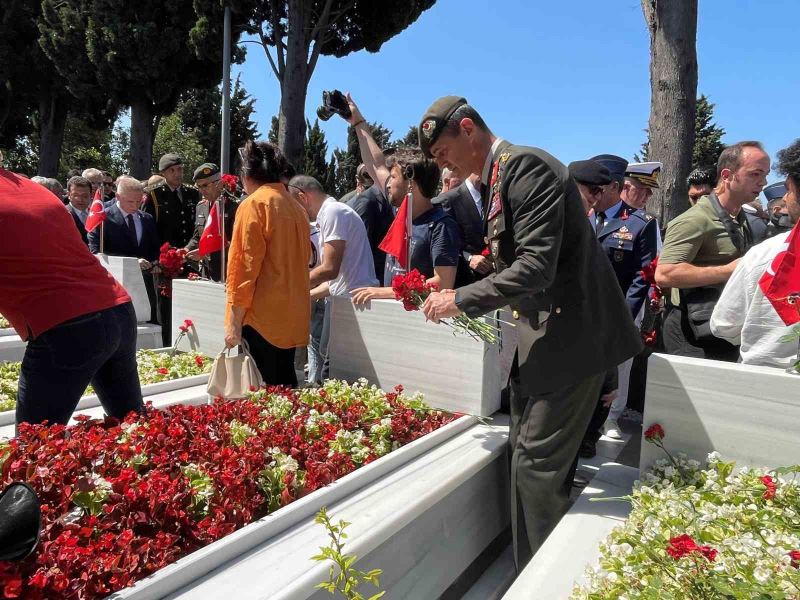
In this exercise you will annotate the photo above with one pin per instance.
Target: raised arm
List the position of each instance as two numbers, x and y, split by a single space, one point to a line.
371 153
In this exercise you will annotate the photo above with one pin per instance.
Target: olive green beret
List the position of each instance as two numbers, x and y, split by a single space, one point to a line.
435 119
169 160
205 170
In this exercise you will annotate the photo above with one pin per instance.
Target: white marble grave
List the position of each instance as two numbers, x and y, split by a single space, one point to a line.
747 414
389 346
202 302
561 561
421 513
127 272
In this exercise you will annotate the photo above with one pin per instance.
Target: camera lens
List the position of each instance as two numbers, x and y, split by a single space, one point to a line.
324 113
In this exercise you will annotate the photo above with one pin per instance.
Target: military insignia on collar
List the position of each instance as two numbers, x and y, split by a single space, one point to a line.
504 157
623 229
428 127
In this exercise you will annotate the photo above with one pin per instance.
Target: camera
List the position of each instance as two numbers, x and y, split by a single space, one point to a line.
333 102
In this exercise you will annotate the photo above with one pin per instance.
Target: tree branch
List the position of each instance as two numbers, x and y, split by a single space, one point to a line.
322 22
318 35
265 45
277 34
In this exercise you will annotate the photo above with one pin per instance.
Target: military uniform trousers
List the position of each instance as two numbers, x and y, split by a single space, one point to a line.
546 432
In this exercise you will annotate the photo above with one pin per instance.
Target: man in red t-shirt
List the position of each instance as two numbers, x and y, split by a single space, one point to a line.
79 322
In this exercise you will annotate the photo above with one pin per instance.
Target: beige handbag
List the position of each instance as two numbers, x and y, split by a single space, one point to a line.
233 376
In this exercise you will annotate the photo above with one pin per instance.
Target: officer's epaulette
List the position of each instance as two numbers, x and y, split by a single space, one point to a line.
644 216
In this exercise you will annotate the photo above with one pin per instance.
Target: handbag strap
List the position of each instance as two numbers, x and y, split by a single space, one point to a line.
741 236
244 348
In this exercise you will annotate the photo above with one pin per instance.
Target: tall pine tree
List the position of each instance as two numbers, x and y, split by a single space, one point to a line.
315 154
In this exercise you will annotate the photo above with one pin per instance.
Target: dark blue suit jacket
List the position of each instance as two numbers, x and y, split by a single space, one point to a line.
79 225
119 241
459 204
630 240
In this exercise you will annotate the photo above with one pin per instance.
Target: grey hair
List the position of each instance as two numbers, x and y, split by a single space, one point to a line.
54 185
306 183
92 173
126 182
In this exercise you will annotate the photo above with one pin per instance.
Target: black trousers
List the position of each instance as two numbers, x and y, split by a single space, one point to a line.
546 431
680 341
276 365
97 348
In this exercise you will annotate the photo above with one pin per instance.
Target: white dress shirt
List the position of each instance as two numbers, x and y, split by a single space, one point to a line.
137 221
476 195
743 315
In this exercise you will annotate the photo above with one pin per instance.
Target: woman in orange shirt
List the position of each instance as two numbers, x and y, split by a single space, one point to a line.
268 286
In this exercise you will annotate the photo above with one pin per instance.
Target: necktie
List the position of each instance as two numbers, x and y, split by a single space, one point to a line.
179 193
600 220
131 227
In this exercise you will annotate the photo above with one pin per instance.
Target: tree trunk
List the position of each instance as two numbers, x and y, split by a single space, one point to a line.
142 133
673 89
294 86
53 108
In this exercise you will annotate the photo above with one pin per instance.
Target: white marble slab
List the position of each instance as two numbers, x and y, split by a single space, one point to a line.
12 348
203 302
126 270
190 395
197 569
748 414
152 389
574 543
389 346
7 331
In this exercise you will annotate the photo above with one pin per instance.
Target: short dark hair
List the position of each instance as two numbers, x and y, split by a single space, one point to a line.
702 176
731 156
465 111
306 183
263 162
774 202
415 166
78 181
789 162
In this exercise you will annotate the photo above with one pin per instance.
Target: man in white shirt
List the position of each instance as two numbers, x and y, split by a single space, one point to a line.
743 315
347 262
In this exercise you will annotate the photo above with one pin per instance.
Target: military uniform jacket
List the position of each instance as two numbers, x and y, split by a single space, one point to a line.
630 241
201 216
174 215
571 317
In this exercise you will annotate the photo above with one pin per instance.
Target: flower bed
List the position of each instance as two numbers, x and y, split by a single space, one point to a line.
703 533
153 367
121 501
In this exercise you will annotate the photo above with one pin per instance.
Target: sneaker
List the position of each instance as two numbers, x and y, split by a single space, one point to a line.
612 430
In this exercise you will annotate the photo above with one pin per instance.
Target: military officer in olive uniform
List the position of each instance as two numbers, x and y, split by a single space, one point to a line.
572 321
172 204
208 180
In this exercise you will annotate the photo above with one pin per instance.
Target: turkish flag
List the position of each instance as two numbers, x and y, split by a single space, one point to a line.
97 212
211 238
396 240
781 281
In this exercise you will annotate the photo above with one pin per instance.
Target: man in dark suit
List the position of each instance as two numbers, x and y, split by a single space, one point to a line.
127 230
464 204
172 204
79 193
572 320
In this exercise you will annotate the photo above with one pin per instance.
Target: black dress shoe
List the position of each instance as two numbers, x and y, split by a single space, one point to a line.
587 450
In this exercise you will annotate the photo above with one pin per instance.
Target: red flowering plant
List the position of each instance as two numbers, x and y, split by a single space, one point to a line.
170 266
412 289
713 532
183 330
121 500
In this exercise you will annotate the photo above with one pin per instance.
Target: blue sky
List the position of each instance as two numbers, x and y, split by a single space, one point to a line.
571 77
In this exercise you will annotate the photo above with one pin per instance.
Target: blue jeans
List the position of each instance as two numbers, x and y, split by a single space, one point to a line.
316 353
97 348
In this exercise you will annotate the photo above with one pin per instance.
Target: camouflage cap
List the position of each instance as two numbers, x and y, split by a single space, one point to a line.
169 160
434 120
205 170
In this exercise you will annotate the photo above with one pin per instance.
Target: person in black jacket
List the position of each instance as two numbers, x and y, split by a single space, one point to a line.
79 192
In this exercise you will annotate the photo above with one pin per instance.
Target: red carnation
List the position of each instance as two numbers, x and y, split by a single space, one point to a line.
188 323
654 433
13 589
795 556
163 370
198 360
769 483
648 273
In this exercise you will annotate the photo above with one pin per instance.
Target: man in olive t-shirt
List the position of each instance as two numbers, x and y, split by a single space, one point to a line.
700 252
